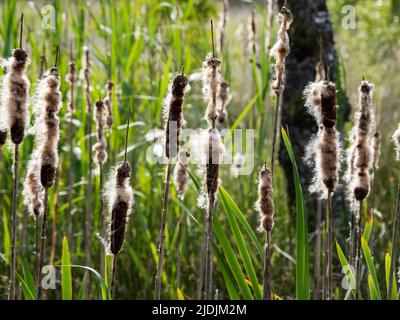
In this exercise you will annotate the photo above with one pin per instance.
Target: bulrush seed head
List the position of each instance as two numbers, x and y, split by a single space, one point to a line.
328 104
173 114
107 102
211 87
120 201
47 125
281 50
324 152
360 153
15 95
224 98
265 203
100 148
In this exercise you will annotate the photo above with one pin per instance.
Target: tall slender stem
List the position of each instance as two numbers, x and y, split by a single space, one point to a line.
113 275
178 247
43 242
209 239
358 252
101 253
275 128
317 254
394 245
161 246
330 240
202 255
13 261
267 290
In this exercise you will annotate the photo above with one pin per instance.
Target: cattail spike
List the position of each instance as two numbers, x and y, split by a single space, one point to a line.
21 29
127 134
182 70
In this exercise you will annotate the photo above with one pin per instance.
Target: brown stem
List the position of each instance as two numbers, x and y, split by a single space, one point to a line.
178 248
13 262
274 134
42 242
209 239
394 245
161 247
113 275
202 255
267 290
102 253
330 240
54 220
358 252
317 255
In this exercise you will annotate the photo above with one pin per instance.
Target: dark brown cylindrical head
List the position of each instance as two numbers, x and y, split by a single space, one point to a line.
328 105
118 226
47 174
21 58
17 131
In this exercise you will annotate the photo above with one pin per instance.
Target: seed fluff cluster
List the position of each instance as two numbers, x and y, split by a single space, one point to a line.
100 147
107 102
281 49
47 125
211 87
265 203
323 153
15 97
360 152
173 114
120 201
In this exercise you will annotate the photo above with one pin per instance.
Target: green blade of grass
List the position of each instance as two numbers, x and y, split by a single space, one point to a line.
371 267
66 278
302 251
232 260
229 206
368 228
388 260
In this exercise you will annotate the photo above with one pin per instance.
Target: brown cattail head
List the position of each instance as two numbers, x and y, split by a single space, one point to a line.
224 98
180 173
71 79
360 153
211 157
376 148
265 203
396 141
173 114
47 125
120 199
107 102
100 147
211 87
86 75
328 104
361 185
281 50
15 94
33 190
324 152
